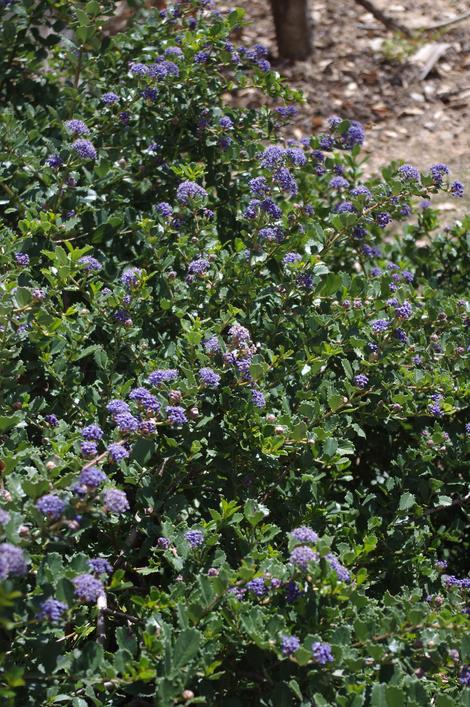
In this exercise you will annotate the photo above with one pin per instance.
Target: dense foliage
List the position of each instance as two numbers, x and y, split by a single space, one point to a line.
234 421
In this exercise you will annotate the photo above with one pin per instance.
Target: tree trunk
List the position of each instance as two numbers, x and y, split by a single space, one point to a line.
293 33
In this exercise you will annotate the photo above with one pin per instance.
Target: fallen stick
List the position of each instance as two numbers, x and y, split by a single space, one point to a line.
383 18
446 23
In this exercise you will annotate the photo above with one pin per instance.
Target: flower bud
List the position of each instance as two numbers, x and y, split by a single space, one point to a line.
194 413
50 465
188 695
270 417
279 430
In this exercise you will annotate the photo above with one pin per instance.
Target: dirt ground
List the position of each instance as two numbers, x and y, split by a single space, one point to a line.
362 71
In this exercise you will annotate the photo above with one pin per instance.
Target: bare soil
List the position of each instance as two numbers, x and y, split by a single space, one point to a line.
362 71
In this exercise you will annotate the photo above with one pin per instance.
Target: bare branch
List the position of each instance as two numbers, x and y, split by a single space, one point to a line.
445 23
102 604
386 20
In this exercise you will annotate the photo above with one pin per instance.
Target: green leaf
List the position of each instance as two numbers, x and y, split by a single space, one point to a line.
465 648
378 696
8 421
335 400
23 296
407 501
395 696
254 512
445 701
185 648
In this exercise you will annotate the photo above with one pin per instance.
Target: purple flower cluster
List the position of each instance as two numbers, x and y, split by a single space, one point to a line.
291 258
164 209
272 234
438 171
163 69
304 534
382 219
465 676
338 183
361 380
4 517
361 190
404 311
194 538
162 375
90 263
457 189
117 406
292 592
257 586
239 335
126 422
435 409
84 149
259 186
286 111
272 157
380 325
409 173
190 191
289 645
51 505
335 564
109 98
115 501
22 259
302 555
284 179
130 277
211 345
322 653
51 610
100 565
117 452
354 135
54 161
163 543
198 266
92 432
51 420
176 415
12 562
257 398
209 378
145 398
76 127
88 588
449 580
91 477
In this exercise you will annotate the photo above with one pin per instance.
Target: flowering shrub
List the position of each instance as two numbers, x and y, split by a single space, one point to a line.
234 418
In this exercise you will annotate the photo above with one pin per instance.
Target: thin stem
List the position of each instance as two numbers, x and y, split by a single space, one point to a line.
78 68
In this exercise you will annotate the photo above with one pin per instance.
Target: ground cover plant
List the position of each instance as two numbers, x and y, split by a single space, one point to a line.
234 417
